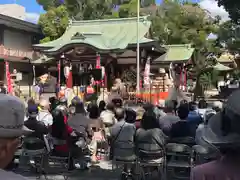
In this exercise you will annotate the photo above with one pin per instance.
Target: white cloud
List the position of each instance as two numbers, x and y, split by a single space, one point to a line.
212 7
32 17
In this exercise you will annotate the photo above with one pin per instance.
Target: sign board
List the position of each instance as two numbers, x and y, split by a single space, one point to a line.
16 77
19 76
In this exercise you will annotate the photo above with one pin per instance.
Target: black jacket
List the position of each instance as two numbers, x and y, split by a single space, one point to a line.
38 127
181 129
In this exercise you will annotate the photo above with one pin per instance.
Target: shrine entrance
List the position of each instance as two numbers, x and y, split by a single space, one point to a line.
87 43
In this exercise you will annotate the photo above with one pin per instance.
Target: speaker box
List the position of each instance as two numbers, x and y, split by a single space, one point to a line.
97 74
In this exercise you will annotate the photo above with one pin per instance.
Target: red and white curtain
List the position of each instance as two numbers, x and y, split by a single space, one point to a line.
147 74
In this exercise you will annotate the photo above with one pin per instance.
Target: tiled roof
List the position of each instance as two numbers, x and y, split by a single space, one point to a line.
176 53
104 35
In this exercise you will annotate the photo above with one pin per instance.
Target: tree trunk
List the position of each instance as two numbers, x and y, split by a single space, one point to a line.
198 91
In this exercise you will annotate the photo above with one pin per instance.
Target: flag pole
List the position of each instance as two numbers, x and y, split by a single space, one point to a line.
138 49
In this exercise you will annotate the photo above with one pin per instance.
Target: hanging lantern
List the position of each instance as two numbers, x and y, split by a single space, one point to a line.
66 70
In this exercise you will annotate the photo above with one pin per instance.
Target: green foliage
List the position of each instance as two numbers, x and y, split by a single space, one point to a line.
89 9
47 4
177 23
209 78
54 23
232 7
147 3
229 34
128 9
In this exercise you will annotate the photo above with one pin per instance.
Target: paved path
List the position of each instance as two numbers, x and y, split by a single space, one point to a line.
102 171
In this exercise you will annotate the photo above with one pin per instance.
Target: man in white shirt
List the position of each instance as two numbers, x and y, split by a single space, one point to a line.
12 112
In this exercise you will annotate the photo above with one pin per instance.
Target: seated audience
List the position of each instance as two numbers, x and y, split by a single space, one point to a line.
194 115
169 119
61 133
53 103
149 139
182 127
148 107
38 127
102 106
72 106
95 122
44 115
108 115
79 122
62 106
122 137
140 111
97 127
130 116
202 107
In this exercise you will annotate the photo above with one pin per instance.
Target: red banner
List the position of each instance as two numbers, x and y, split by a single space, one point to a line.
59 74
98 63
9 82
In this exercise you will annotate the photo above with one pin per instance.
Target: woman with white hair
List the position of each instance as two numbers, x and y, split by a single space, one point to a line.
44 115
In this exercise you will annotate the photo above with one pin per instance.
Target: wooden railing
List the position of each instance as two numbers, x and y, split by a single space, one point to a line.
10 52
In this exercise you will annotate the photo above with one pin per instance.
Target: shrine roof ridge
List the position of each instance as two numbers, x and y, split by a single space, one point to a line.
124 20
178 46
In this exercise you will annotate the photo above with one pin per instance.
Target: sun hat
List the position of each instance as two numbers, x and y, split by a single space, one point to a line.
12 112
223 129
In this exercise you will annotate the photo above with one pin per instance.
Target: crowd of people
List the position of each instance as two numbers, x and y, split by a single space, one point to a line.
125 131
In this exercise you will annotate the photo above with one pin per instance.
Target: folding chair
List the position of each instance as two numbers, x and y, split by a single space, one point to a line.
148 165
128 163
189 141
59 163
33 150
201 155
178 161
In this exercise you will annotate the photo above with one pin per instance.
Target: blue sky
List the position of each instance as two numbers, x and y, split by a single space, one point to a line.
33 9
30 5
